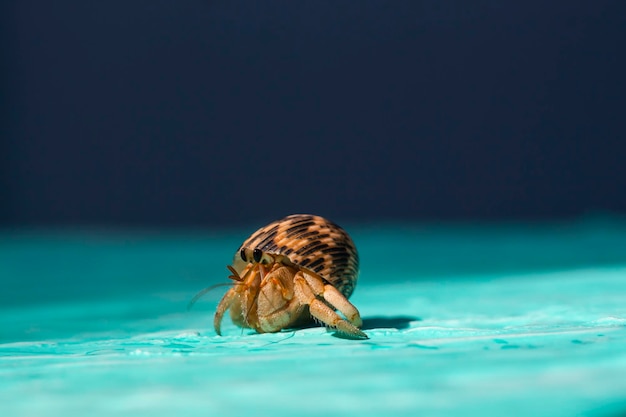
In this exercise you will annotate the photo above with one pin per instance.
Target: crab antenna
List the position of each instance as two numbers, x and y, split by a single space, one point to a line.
203 291
235 275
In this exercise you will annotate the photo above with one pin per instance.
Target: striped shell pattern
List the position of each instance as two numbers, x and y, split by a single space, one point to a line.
313 243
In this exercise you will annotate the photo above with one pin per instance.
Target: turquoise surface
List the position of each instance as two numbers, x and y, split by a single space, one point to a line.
507 319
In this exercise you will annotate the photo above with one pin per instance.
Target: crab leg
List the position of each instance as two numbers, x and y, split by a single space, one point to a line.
307 289
222 307
337 300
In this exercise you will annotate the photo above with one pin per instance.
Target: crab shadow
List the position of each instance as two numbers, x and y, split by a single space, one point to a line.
371 323
379 322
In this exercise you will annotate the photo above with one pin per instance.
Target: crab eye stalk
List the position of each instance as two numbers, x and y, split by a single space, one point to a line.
242 253
257 254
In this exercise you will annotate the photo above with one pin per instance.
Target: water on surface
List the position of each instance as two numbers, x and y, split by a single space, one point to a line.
461 322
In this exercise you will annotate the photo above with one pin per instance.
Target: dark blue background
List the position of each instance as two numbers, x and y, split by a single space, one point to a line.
167 113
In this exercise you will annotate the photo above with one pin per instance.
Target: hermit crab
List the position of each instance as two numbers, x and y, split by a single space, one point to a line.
292 272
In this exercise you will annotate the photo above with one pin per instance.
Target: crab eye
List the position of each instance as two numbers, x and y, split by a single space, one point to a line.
257 254
242 253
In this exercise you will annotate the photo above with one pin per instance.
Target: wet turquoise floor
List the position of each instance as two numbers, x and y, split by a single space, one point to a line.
482 320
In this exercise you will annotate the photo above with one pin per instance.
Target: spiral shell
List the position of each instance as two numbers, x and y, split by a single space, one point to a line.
310 242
